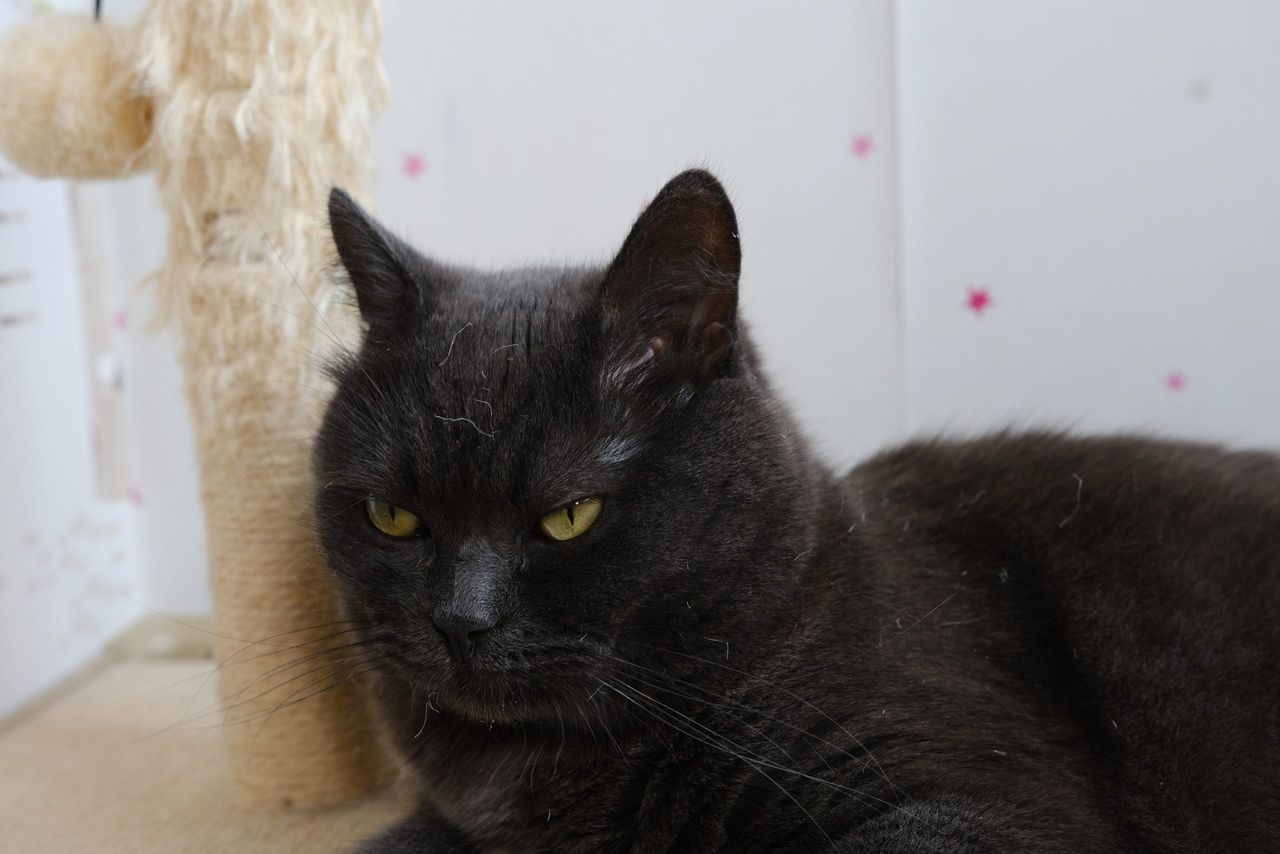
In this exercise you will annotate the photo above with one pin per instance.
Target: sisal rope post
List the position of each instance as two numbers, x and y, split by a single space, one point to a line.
258 107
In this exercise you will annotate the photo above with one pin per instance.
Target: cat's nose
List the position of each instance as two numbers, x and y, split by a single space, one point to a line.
460 629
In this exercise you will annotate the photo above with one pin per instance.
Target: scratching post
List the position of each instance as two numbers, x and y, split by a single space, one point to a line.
248 111
261 106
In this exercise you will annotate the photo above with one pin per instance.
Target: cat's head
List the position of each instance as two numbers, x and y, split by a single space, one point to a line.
525 476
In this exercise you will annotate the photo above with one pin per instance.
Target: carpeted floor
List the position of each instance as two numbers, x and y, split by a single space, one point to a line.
108 767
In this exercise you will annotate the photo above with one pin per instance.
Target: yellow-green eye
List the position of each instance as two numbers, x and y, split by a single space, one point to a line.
392 520
571 520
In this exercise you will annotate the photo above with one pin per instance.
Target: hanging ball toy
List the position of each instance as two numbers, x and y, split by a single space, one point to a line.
69 108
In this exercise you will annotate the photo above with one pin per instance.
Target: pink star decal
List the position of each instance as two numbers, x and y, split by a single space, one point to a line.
1176 381
135 496
979 300
862 146
120 320
414 165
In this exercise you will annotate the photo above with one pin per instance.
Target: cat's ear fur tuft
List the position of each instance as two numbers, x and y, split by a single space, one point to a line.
379 265
670 297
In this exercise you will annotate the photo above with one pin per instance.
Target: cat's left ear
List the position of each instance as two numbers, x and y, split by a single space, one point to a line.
670 297
380 265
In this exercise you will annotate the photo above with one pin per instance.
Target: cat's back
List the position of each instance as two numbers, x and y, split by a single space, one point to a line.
1179 512
1130 584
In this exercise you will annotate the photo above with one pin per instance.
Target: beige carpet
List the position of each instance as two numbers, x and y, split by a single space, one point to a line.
110 767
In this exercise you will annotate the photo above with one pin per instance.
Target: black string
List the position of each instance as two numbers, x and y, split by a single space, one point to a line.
97 10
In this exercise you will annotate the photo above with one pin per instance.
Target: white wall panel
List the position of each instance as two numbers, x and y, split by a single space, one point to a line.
1108 171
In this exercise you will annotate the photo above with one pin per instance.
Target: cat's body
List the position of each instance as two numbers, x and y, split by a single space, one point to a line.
1030 643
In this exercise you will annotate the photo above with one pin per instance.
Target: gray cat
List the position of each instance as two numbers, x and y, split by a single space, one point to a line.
617 604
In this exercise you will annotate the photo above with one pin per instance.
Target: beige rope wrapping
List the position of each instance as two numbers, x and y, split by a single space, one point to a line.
259 107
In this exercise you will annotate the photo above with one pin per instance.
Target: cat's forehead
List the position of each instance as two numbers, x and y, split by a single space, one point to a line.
498 364
497 389
503 328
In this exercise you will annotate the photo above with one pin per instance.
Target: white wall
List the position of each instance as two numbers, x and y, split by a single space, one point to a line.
67 559
1109 171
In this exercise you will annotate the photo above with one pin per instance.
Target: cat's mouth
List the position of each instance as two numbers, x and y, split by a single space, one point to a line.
506 692
509 699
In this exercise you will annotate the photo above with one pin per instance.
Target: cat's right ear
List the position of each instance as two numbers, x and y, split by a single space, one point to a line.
379 265
670 297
